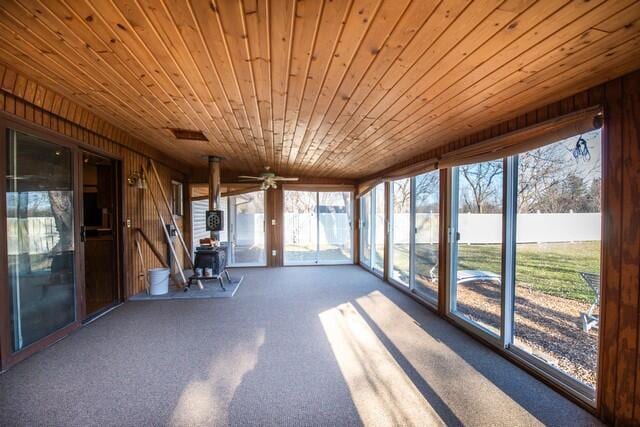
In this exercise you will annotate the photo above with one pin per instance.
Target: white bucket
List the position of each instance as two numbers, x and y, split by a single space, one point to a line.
159 281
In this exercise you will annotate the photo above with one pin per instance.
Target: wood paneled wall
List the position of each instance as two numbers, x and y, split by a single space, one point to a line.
275 232
620 327
41 106
619 366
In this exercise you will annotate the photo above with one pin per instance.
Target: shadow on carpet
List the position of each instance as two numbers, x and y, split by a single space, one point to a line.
211 289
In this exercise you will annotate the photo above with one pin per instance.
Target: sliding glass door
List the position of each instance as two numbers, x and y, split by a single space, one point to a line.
477 247
557 256
366 230
401 235
525 256
317 227
247 229
379 229
372 229
334 221
427 228
41 244
301 227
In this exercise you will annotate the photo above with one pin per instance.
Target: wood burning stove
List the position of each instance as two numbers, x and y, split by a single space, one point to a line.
213 259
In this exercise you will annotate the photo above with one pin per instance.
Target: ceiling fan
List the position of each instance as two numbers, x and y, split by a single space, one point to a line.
269 179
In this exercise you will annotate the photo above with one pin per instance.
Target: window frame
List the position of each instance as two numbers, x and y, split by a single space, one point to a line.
177 209
351 210
409 285
505 341
362 225
9 125
374 229
230 213
433 303
568 383
452 264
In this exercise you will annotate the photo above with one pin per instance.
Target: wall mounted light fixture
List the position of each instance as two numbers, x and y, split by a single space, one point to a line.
136 179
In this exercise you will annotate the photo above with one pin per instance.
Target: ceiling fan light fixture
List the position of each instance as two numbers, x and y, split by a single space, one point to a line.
268 179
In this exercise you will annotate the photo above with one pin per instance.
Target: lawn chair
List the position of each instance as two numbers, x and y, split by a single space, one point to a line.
466 276
470 276
590 320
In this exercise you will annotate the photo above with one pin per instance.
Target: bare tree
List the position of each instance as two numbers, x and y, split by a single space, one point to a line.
401 195
299 201
483 181
61 210
539 172
427 191
550 179
346 199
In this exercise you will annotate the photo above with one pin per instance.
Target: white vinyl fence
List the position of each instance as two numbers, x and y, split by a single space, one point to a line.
39 235
300 229
198 222
249 227
487 228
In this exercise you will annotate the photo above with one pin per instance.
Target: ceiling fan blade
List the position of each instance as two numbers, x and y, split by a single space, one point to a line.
261 178
282 178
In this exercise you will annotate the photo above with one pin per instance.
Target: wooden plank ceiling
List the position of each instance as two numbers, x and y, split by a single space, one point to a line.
336 88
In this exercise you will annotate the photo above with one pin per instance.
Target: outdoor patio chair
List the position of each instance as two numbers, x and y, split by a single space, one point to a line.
590 320
465 276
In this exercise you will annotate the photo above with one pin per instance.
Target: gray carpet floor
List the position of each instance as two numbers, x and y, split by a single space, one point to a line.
211 289
295 346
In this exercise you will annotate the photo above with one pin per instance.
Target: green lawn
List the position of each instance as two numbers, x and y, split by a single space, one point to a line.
551 268
554 268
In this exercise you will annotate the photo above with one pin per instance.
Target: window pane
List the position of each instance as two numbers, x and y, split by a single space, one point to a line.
198 222
334 215
224 234
427 195
378 237
247 218
400 230
558 256
301 227
365 229
40 238
479 249
176 198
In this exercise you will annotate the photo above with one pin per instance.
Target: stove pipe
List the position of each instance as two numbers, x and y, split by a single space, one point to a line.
214 189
